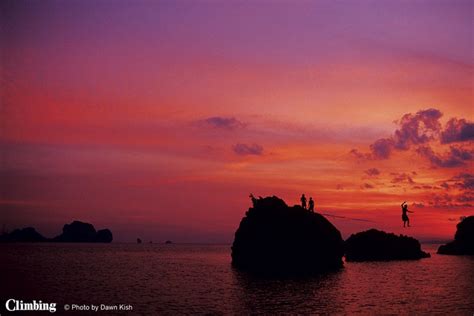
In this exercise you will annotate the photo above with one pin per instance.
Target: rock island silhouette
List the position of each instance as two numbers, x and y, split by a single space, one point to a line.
274 238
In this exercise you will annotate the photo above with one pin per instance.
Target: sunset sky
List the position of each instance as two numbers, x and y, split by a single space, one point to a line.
156 119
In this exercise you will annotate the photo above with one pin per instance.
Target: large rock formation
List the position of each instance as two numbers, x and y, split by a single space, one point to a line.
276 239
28 234
83 232
463 243
77 232
376 245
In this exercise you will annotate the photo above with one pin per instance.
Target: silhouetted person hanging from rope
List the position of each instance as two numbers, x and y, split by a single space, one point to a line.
405 210
303 201
311 205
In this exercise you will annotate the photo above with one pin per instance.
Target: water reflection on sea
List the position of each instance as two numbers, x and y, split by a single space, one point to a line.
177 279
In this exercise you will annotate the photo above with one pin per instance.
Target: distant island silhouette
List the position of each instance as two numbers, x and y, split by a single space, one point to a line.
463 243
274 238
376 245
27 234
75 232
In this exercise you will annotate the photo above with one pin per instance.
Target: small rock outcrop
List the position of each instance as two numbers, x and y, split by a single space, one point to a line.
83 232
463 243
104 235
274 238
28 234
376 245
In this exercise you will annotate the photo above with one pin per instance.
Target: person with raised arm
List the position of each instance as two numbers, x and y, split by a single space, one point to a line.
405 210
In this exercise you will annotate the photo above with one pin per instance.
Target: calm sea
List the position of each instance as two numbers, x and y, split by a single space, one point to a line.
198 279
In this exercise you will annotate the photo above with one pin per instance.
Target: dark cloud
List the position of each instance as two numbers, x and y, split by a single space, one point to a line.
244 149
419 205
441 200
465 197
416 129
445 185
464 181
461 153
339 187
382 148
366 186
357 154
413 129
457 130
227 123
445 200
402 178
456 157
372 172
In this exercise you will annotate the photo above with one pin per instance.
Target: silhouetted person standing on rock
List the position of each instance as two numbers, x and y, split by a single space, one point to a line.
311 205
303 201
405 210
